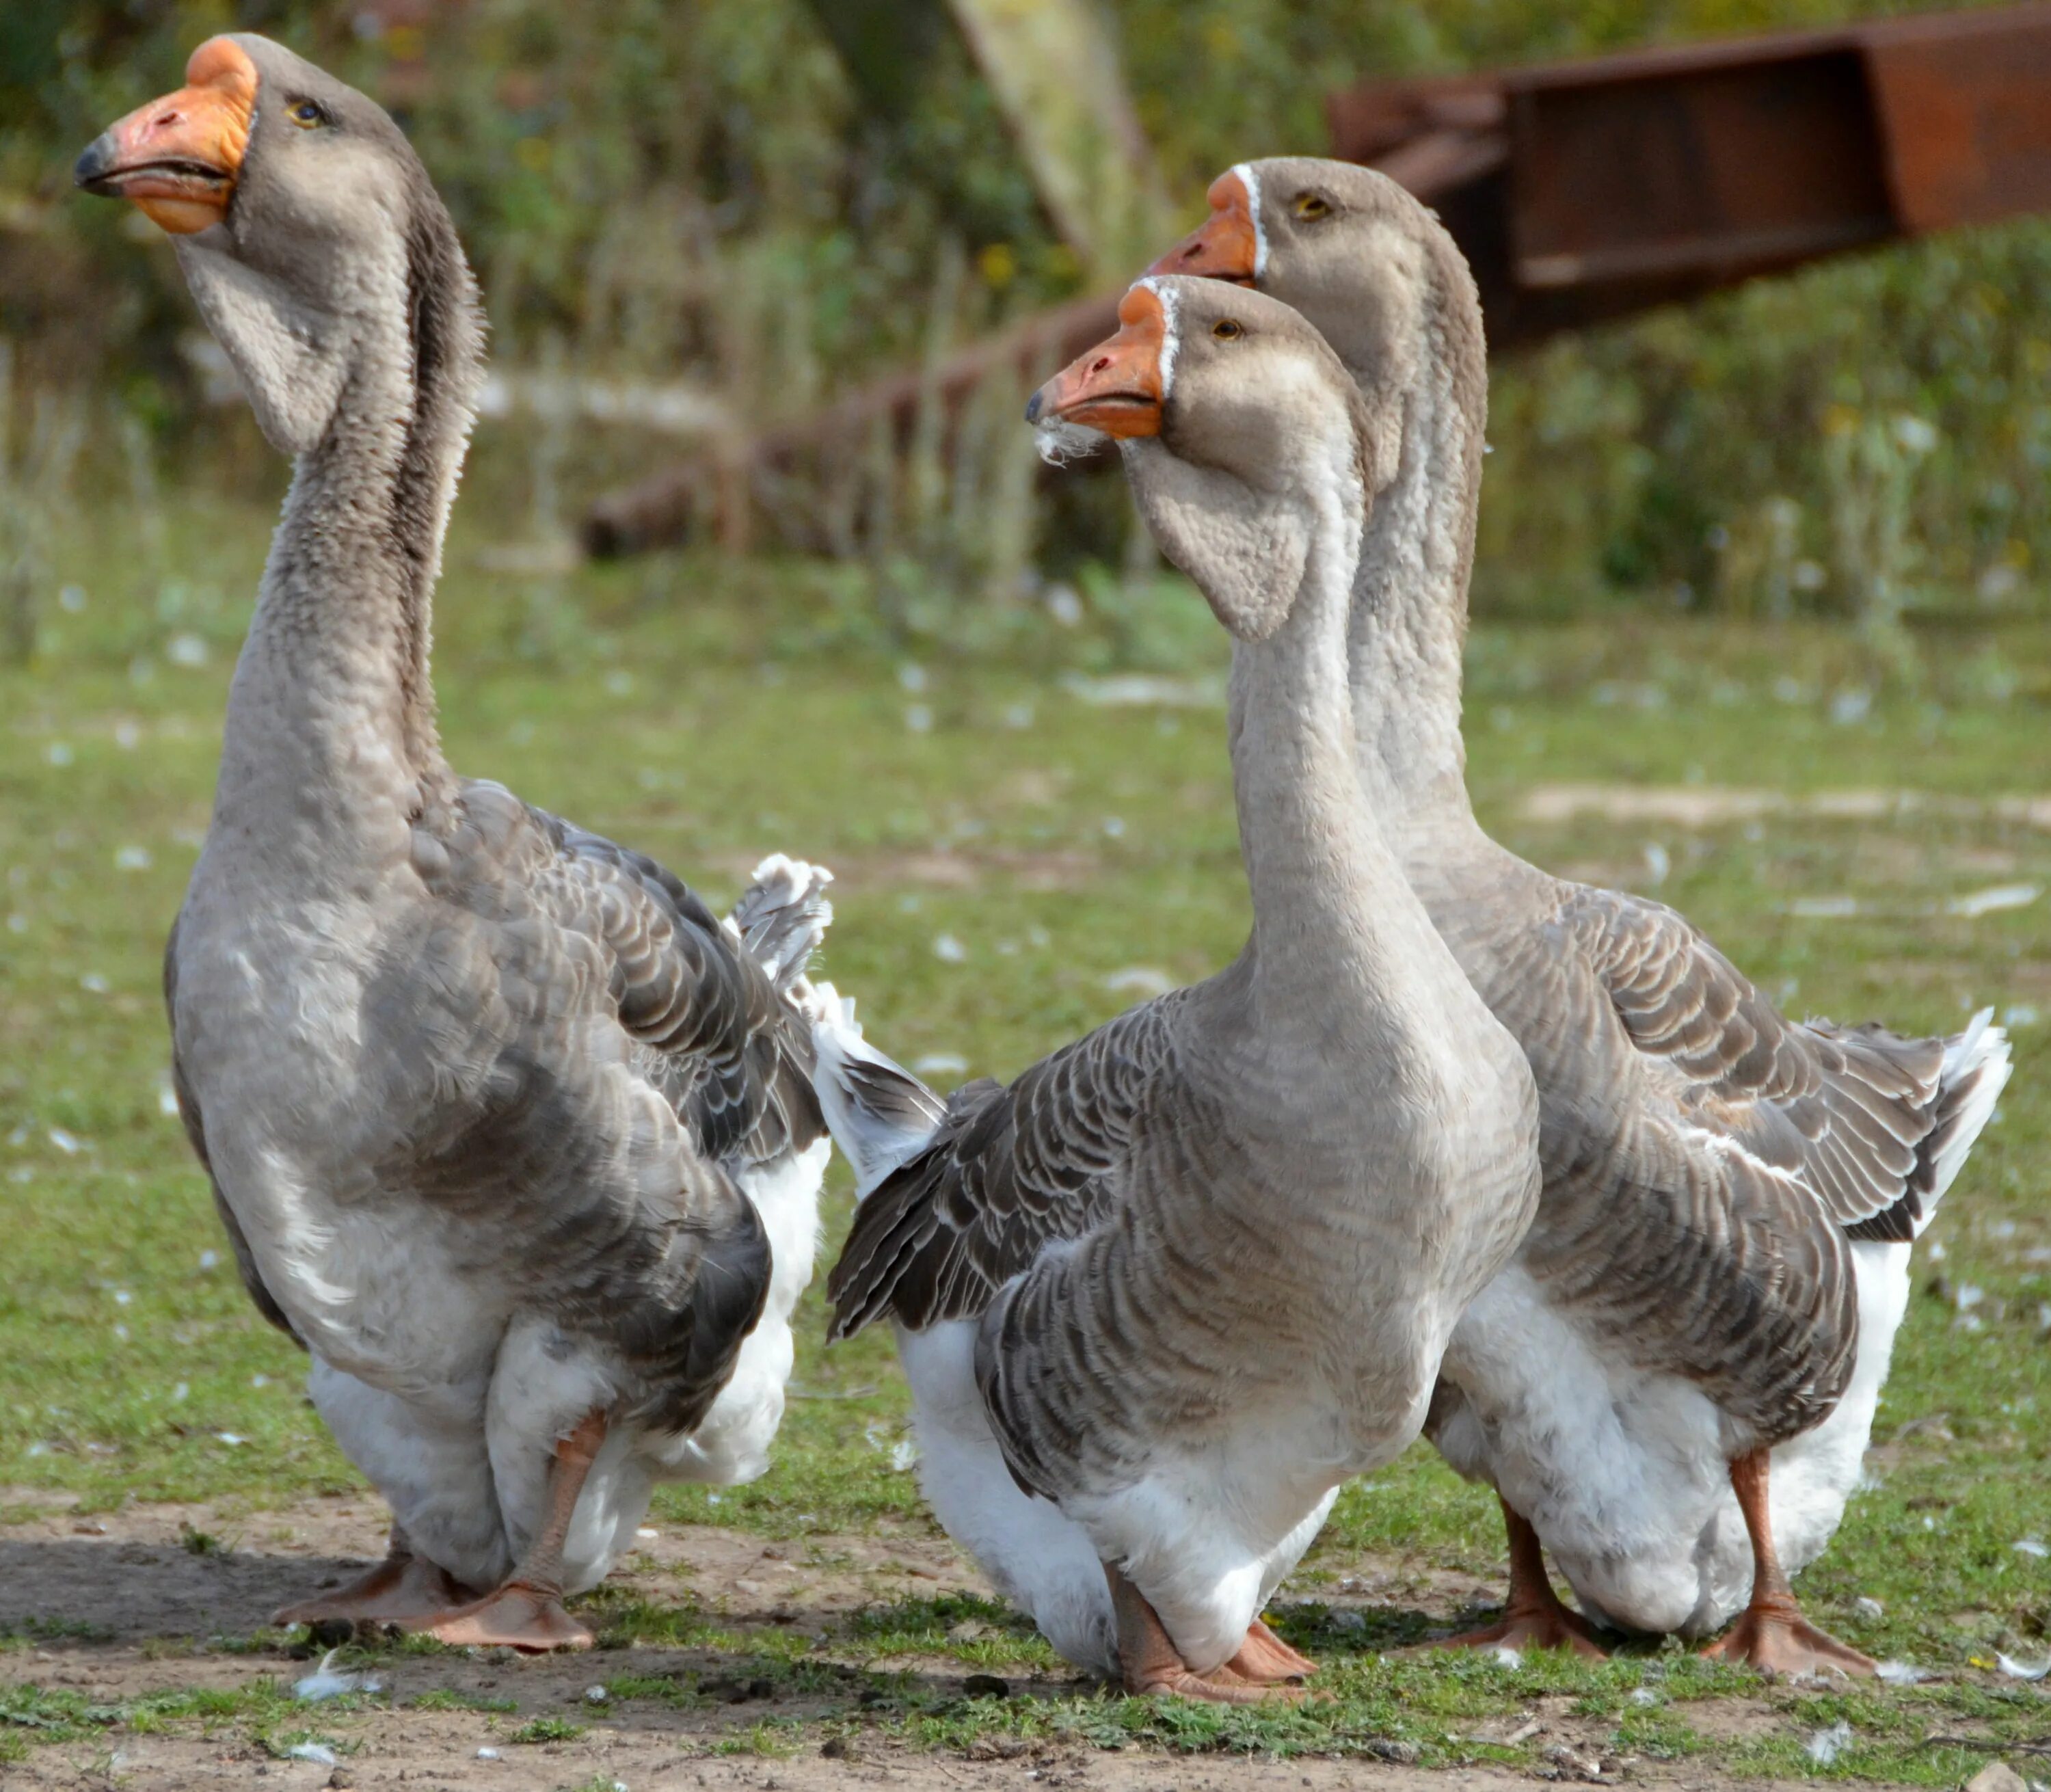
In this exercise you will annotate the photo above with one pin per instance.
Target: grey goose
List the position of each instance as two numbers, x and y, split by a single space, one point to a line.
1159 1296
507 1128
1673 1383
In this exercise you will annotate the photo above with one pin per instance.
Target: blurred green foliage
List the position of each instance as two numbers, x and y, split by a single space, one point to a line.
1873 434
755 195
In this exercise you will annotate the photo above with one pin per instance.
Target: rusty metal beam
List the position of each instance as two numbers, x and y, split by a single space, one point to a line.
714 492
1581 191
1966 105
717 492
1603 186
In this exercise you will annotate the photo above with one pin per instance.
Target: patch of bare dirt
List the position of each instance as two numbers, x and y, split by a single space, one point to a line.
1688 806
141 1575
159 1598
1052 869
1708 806
438 1752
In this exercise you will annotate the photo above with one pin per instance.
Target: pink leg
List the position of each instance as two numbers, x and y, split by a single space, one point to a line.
527 1612
1771 1633
1532 1617
1151 1663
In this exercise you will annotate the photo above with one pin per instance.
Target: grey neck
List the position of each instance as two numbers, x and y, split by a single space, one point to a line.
332 711
1325 885
1408 621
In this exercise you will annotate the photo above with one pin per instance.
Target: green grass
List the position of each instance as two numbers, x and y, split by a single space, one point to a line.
29 1713
447 1698
708 715
1433 1709
546 1729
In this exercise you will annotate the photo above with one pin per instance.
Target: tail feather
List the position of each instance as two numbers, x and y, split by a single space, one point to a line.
1976 1068
878 1112
782 916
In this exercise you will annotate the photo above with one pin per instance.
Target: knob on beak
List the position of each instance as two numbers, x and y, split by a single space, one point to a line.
178 157
1116 386
1227 245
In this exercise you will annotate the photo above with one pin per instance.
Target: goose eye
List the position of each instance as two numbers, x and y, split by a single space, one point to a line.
1227 328
1311 205
306 115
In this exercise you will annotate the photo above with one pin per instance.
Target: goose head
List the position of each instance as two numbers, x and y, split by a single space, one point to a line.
1372 268
309 233
1243 436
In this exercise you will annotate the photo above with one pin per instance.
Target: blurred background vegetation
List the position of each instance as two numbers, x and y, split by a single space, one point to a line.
733 209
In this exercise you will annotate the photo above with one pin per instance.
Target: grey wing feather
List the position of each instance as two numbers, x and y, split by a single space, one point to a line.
727 1045
676 1285
189 1113
1008 1171
879 1115
783 915
1660 1222
1846 1110
731 1052
1705 1175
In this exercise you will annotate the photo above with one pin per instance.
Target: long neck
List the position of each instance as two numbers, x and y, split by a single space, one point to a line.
331 719
1323 877
1408 621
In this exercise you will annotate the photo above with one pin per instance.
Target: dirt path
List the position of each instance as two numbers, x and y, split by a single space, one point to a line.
167 1600
1710 805
135 1576
644 1764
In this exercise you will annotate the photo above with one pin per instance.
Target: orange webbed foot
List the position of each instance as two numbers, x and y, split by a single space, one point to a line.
1265 1660
1221 1686
1547 1627
1779 1639
517 1616
1149 1662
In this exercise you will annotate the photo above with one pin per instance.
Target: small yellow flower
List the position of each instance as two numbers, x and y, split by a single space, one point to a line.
997 264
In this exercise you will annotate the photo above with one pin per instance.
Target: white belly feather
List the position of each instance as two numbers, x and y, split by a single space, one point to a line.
1623 1474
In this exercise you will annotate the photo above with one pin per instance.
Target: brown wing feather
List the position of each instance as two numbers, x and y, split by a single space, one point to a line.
729 1050
1009 1170
1846 1110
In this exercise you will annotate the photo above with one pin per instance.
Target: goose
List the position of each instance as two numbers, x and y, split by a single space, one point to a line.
506 1128
1673 1383
1163 1293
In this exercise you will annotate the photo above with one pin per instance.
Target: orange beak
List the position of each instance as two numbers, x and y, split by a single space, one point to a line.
1115 386
1226 247
178 158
